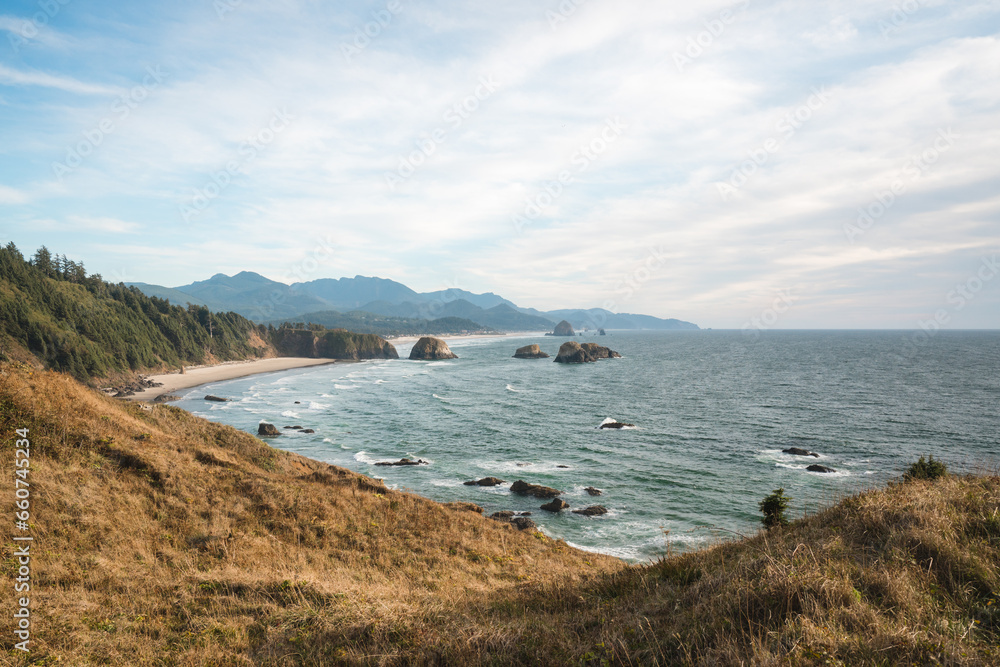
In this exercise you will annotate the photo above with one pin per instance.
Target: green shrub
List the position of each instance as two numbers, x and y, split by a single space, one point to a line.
925 469
773 507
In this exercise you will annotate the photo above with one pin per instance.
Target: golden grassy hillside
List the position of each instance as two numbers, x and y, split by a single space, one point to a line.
164 539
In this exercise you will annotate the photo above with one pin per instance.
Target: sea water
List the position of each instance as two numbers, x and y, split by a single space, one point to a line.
712 410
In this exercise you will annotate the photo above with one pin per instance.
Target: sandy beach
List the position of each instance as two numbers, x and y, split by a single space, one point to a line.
192 377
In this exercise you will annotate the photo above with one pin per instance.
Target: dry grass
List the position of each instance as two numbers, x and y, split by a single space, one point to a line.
164 539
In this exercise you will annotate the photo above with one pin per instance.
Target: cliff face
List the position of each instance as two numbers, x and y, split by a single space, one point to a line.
429 347
337 344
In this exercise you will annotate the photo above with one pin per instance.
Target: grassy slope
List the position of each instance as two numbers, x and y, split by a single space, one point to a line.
164 539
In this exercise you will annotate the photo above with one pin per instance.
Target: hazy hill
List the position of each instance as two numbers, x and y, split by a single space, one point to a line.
384 325
501 317
264 300
166 539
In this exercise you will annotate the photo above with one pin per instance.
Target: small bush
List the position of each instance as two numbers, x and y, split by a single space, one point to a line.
773 507
925 469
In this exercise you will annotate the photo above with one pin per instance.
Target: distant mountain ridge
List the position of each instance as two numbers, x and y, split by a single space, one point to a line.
263 300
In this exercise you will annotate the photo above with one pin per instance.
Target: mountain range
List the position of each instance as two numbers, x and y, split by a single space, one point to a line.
263 300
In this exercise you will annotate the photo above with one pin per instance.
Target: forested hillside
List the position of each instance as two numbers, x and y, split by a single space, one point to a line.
79 324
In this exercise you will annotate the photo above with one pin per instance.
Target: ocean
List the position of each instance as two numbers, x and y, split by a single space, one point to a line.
712 410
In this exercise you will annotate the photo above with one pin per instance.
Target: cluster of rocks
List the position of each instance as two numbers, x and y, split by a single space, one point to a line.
815 467
131 388
270 430
519 520
572 352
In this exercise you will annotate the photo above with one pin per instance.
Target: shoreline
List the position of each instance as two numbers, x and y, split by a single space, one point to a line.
230 370
194 376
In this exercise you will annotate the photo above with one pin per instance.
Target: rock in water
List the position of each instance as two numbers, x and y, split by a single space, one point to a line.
217 399
525 489
485 481
530 352
616 425
403 462
593 510
307 430
799 452
556 505
818 468
429 347
564 328
572 352
267 429
592 491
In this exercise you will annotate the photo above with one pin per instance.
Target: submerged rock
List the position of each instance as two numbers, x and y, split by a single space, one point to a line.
267 429
525 489
431 348
403 462
593 510
799 452
818 468
217 399
616 425
530 352
592 491
307 430
485 481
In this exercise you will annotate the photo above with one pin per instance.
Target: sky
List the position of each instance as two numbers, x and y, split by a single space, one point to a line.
769 164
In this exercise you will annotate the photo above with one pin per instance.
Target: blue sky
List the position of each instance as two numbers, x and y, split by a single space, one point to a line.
795 164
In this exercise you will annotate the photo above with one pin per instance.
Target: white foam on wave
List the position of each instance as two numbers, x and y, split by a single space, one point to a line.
516 391
441 398
327 396
380 381
362 457
345 387
317 406
289 413
610 420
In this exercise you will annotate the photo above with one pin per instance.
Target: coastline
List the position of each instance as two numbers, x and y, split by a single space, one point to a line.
230 370
192 377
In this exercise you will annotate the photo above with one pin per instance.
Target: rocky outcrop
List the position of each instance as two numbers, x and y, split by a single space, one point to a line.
530 352
217 399
430 348
403 462
818 468
336 344
564 328
464 507
556 505
522 523
307 430
264 428
592 491
799 452
601 332
593 510
294 428
523 488
485 481
572 352
616 425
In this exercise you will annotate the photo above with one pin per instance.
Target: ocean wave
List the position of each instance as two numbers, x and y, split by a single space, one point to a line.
289 413
516 391
345 387
362 457
441 398
317 406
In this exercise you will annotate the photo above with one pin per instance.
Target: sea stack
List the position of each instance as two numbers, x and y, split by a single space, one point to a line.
564 328
530 352
572 352
431 348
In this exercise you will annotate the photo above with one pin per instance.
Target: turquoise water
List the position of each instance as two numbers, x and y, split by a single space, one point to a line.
713 410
